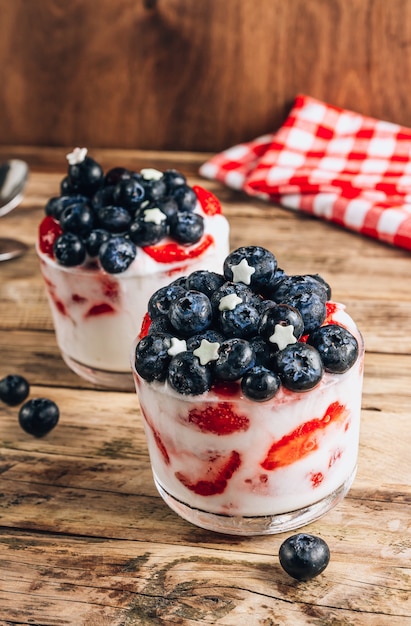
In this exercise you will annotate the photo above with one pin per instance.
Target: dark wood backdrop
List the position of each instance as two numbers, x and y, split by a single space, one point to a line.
193 74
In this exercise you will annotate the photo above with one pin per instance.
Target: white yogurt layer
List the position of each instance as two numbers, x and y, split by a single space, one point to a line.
287 453
98 315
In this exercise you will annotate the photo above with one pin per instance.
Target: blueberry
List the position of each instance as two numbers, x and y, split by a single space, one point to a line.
161 325
297 284
337 347
186 227
129 193
252 265
185 197
311 308
95 240
235 358
77 218
264 351
115 219
260 384
154 189
299 367
168 206
117 254
187 376
190 313
304 556
160 301
205 281
283 315
14 389
210 335
152 358
69 250
55 206
116 175
173 179
147 233
103 197
86 176
39 416
67 187
241 321
241 291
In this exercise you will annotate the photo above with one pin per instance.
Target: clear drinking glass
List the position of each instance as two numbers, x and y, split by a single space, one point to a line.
239 467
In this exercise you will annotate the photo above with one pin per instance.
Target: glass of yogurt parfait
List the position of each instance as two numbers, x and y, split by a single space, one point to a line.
106 243
250 385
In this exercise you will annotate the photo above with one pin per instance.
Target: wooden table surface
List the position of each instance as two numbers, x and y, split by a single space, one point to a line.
86 540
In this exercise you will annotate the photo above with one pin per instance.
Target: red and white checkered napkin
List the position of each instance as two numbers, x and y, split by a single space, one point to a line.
330 162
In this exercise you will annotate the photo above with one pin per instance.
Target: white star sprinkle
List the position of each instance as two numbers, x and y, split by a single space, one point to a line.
76 156
149 173
154 215
177 346
207 351
283 336
228 303
242 272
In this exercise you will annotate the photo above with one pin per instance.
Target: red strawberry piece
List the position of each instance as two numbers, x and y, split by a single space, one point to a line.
219 419
100 309
303 440
157 439
218 471
173 252
49 230
209 203
145 326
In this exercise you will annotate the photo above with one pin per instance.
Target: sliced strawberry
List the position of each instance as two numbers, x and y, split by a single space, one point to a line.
145 326
218 472
157 439
219 419
303 440
49 230
100 309
173 252
209 203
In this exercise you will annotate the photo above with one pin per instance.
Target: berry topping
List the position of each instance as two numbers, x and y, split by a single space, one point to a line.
190 313
209 203
148 207
69 250
299 367
14 389
304 556
187 376
337 347
117 254
260 384
39 416
152 357
95 240
246 342
250 265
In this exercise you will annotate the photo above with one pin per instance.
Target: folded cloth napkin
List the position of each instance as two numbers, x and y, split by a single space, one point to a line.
334 163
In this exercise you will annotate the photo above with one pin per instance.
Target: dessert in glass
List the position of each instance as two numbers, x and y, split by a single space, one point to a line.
249 383
106 243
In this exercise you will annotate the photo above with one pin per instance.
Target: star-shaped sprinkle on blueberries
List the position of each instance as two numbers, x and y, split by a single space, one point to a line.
283 336
149 173
177 346
154 215
229 302
207 351
242 272
76 156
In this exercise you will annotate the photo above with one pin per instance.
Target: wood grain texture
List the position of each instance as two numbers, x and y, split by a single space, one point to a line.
189 75
85 540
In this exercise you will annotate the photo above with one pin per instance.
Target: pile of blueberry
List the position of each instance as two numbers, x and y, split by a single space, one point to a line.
37 416
252 324
108 216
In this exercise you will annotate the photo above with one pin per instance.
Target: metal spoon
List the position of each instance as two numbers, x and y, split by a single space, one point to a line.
13 179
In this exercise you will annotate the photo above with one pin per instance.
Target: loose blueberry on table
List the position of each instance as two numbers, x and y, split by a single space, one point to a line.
304 556
38 416
253 326
104 218
14 389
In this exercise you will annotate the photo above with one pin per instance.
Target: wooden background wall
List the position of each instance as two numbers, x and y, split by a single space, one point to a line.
193 74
